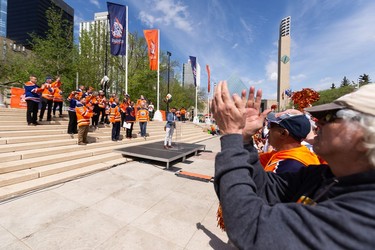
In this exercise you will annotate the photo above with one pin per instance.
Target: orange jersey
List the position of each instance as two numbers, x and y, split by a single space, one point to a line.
102 101
47 91
83 115
114 114
142 115
57 95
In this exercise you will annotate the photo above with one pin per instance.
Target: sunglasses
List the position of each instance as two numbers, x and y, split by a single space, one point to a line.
340 114
329 117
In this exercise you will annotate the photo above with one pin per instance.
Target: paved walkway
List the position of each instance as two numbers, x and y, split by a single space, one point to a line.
137 205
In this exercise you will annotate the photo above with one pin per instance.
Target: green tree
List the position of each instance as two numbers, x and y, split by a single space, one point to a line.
364 79
329 95
345 82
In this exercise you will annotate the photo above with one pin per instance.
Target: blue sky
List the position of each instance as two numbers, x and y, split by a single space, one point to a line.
239 38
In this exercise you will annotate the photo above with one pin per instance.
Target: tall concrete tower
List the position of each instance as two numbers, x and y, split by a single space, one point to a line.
283 81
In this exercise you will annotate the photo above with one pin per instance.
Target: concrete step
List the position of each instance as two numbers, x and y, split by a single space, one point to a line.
11 178
24 187
32 145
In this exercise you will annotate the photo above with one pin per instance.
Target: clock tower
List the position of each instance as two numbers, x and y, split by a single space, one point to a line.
283 81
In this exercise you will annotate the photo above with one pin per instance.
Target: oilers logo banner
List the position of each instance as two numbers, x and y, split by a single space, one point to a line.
117 22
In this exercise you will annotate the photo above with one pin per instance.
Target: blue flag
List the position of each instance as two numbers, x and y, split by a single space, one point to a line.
117 23
193 62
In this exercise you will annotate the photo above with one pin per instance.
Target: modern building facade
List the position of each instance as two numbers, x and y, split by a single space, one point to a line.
25 17
3 17
283 81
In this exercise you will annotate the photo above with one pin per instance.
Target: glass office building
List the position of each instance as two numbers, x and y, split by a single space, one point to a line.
25 17
3 18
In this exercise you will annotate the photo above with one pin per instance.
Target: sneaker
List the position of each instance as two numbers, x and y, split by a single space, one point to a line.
82 144
166 147
170 147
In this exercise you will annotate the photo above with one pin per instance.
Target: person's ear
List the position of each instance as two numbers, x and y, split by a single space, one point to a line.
284 133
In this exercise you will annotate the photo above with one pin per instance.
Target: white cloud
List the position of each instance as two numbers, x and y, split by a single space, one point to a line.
298 78
271 70
234 45
96 3
247 31
167 13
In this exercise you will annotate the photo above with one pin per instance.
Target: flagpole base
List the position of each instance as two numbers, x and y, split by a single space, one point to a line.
158 116
196 119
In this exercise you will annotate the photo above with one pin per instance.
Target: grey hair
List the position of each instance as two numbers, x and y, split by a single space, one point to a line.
367 123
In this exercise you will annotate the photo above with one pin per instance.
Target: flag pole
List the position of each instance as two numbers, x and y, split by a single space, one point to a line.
158 116
126 48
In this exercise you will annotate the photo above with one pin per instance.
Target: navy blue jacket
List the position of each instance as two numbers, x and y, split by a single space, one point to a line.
260 209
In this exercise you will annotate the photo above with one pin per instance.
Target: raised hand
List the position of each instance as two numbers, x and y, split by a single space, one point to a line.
253 118
229 112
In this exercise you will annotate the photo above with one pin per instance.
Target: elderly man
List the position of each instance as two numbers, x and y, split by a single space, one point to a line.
319 207
286 132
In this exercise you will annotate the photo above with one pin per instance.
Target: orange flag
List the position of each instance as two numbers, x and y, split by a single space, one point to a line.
152 39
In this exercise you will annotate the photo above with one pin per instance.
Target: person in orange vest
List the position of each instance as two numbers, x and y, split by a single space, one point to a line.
143 118
286 132
96 110
183 114
178 115
123 106
102 102
140 102
80 91
130 119
115 119
47 99
32 97
84 115
57 97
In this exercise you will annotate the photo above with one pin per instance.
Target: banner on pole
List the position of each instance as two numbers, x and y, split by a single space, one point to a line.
152 39
193 62
208 77
117 23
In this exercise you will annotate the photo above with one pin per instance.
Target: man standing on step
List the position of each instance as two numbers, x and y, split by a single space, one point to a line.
169 128
84 115
32 97
47 99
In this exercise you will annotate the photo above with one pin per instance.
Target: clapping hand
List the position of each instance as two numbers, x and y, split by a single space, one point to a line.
237 115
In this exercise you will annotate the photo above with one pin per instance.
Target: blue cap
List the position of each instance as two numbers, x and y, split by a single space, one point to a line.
48 78
298 125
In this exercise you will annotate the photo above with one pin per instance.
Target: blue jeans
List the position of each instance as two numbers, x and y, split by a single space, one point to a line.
142 126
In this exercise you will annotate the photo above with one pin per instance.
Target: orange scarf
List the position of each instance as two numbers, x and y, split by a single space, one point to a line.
302 154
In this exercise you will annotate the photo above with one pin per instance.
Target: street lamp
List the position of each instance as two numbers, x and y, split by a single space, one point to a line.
169 54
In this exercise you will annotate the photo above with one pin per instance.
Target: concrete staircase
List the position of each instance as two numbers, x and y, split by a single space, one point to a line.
36 157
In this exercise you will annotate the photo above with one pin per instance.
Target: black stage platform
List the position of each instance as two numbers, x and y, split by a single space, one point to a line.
155 151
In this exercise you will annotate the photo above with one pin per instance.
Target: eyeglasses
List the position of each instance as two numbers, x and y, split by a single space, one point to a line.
329 117
340 114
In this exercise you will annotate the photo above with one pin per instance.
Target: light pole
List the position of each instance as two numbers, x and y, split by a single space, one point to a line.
169 54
